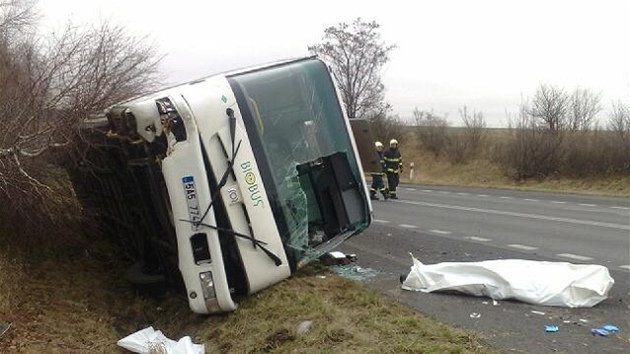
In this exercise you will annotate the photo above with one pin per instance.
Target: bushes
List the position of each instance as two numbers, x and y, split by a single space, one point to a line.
528 151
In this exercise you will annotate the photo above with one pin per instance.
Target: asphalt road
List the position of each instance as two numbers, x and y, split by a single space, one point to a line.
439 224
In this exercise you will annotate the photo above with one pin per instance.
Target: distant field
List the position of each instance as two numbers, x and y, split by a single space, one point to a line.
481 172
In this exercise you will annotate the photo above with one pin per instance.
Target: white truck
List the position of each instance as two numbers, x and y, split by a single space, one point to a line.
226 185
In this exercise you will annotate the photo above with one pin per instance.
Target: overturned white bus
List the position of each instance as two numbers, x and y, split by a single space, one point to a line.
226 185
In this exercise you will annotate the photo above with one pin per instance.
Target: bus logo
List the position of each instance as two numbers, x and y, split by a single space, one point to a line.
252 187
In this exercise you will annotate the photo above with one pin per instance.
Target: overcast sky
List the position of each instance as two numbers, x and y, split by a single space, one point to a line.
489 55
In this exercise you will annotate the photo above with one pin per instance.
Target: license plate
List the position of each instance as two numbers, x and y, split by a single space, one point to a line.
194 213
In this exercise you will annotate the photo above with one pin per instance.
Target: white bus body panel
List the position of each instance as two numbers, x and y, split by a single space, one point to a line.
186 161
208 101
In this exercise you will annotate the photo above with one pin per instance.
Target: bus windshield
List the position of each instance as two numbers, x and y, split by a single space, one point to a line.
304 152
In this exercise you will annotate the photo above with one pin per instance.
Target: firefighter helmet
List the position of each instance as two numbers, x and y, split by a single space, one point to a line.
378 144
392 142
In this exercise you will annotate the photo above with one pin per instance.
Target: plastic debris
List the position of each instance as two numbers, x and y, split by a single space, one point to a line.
304 327
536 282
551 328
599 332
538 313
337 258
475 315
148 340
611 328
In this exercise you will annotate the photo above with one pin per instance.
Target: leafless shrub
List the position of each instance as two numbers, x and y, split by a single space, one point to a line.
619 127
583 154
595 153
431 130
456 148
386 126
463 144
592 153
619 120
583 107
474 128
47 87
532 151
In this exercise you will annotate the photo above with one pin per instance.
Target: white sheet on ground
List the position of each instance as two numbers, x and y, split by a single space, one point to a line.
536 282
148 340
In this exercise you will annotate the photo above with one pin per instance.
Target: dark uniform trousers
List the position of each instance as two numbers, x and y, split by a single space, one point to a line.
393 166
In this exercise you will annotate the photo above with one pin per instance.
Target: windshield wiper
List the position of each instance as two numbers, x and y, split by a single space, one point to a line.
230 166
256 242
221 184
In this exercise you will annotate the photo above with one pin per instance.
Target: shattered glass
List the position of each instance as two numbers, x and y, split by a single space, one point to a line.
296 208
299 121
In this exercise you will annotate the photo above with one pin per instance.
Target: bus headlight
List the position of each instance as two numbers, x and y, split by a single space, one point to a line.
209 295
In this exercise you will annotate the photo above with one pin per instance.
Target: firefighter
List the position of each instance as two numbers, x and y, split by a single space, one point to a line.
378 186
393 167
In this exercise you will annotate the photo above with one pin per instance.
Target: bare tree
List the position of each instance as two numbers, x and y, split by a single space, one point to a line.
431 130
619 120
17 17
47 87
549 107
583 107
356 56
475 126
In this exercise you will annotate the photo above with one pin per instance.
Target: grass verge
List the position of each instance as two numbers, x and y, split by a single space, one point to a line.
77 304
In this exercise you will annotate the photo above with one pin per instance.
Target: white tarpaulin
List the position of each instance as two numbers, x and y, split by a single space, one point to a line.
149 341
536 282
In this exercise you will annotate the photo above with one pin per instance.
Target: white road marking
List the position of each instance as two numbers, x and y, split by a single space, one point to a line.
574 256
462 193
523 247
506 198
483 195
475 238
427 190
410 189
558 202
522 215
381 221
588 205
441 232
622 208
531 200
625 266
407 226
445 192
